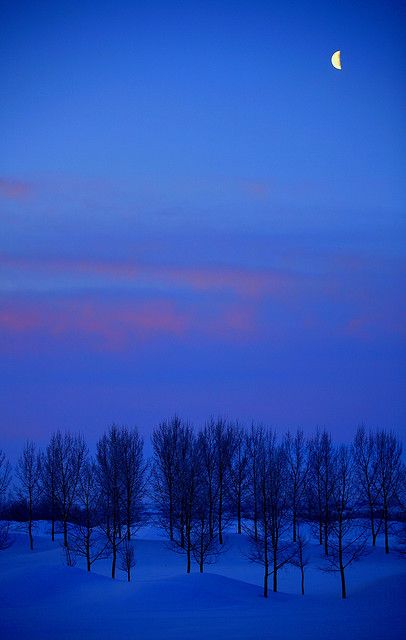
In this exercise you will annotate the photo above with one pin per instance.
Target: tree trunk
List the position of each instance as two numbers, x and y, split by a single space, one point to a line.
239 515
343 588
189 548
303 580
170 515
340 560
373 534
53 529
201 550
266 563
211 512
275 573
88 551
188 559
114 561
65 532
386 533
294 526
221 513
30 534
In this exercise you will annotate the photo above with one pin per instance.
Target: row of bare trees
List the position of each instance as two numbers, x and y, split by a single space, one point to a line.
274 489
200 483
96 501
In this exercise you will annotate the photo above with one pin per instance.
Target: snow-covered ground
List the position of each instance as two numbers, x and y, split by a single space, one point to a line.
40 597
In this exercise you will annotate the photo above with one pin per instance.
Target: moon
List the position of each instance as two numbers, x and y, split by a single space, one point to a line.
336 60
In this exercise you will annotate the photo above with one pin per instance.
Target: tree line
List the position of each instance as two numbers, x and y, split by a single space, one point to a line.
279 491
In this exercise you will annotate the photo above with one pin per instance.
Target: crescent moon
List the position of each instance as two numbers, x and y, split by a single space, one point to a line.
336 60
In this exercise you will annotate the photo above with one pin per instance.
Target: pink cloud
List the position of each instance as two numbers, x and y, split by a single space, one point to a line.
242 281
14 189
116 326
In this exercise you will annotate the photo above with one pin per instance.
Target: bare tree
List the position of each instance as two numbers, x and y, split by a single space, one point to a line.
239 469
165 446
109 465
29 476
205 543
127 558
321 478
133 469
366 469
5 480
223 449
50 479
207 449
70 453
187 474
347 540
255 443
5 476
297 468
87 538
390 471
271 548
301 557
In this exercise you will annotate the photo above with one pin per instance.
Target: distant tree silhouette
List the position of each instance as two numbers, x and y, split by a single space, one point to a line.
110 480
301 557
70 453
366 469
127 558
209 476
49 476
165 450
255 443
29 477
87 538
224 441
390 475
239 472
347 541
321 482
296 451
271 548
5 480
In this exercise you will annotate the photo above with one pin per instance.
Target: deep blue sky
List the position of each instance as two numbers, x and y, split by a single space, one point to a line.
199 214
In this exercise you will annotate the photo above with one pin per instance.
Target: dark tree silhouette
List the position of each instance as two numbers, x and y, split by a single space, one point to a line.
223 449
49 468
390 473
347 541
321 478
205 544
70 455
255 444
110 480
127 558
187 475
5 481
301 557
165 447
87 538
134 477
271 548
239 470
29 476
297 458
207 449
